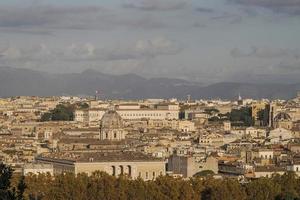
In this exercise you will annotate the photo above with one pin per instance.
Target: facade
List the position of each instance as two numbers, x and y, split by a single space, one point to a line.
227 126
280 135
294 168
112 127
187 166
213 139
34 168
134 112
131 164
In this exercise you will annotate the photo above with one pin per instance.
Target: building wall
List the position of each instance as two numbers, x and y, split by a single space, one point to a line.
38 169
87 116
145 170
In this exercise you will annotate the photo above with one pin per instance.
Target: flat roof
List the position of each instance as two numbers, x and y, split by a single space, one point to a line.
90 157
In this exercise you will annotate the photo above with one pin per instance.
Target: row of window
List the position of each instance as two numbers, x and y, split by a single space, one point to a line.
142 115
147 175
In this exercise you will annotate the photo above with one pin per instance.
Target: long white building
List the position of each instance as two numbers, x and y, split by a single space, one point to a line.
131 112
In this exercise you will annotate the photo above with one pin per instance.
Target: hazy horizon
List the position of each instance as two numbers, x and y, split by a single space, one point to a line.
199 40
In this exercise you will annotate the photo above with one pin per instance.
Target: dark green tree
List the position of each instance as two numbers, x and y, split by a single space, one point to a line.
21 188
263 189
62 112
6 192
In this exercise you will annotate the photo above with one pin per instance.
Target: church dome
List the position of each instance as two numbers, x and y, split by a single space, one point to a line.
111 120
282 116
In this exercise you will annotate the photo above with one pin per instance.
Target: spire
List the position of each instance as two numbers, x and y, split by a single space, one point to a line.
240 97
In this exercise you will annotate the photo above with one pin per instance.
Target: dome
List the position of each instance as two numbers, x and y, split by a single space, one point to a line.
282 116
111 120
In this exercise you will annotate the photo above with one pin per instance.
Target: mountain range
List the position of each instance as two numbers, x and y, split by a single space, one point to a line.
26 82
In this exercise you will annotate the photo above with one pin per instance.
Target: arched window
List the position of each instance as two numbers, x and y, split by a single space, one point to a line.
147 175
121 170
129 170
113 170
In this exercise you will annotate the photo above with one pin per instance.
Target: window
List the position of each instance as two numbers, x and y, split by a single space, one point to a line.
113 170
154 175
147 175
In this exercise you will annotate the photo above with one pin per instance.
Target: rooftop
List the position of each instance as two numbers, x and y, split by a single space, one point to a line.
98 157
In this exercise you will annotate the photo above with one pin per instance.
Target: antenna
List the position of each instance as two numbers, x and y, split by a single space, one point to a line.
97 94
189 97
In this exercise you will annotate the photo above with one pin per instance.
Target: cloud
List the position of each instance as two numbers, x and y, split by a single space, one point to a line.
204 10
289 66
142 49
49 17
265 52
283 6
156 5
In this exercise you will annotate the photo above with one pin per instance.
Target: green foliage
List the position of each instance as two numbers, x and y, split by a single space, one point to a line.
263 189
227 189
263 116
62 112
21 188
6 191
242 116
82 105
204 173
238 117
5 178
211 111
102 186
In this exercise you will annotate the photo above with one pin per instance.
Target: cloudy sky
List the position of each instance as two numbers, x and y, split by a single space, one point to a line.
200 40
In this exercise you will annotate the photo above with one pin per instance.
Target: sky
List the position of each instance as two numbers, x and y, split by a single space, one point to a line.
199 40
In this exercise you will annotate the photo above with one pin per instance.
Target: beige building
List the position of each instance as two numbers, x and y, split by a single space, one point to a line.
212 139
227 126
112 126
130 112
256 108
36 169
131 164
188 166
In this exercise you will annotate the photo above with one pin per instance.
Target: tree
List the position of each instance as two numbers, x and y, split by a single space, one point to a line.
186 191
169 187
204 173
227 189
211 111
5 177
263 189
243 115
82 105
21 188
289 187
62 112
137 189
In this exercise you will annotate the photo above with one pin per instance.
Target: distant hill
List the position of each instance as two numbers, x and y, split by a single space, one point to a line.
19 82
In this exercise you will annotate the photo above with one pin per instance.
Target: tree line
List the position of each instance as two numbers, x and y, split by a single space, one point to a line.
101 186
